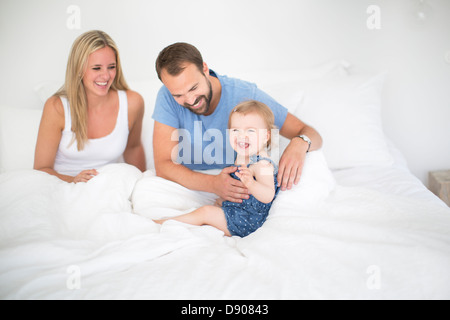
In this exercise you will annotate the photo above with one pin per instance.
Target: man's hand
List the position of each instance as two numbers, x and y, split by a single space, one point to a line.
229 189
291 163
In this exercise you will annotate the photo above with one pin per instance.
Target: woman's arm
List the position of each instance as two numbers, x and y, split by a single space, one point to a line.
134 153
49 137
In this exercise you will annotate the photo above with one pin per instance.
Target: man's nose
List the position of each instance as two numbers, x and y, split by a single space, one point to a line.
190 99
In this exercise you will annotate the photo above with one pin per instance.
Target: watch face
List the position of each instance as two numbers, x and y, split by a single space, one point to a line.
305 138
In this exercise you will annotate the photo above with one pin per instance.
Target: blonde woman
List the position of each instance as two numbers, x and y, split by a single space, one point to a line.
94 119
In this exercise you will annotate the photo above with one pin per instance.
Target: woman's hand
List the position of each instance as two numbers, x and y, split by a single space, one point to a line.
85 176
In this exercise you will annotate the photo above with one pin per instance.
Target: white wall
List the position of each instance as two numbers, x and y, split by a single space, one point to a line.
239 35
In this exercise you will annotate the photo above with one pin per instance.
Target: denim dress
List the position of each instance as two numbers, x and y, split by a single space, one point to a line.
246 217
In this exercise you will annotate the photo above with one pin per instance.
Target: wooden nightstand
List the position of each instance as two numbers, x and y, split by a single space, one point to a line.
439 184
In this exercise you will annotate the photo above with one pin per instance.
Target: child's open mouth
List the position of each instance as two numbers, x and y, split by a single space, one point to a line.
243 145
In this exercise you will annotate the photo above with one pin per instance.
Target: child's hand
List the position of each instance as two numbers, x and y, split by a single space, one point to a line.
246 176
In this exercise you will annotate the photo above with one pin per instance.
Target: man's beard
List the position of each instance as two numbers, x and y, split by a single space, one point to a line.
207 103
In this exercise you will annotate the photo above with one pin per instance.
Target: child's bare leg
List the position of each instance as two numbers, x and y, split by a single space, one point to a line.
210 215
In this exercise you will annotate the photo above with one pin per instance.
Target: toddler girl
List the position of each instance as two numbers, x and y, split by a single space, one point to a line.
250 126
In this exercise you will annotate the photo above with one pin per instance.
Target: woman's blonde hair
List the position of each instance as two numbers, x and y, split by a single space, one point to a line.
73 88
261 109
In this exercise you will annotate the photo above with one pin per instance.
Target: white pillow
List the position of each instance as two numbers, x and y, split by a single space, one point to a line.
316 183
265 77
148 90
346 112
46 89
18 134
287 86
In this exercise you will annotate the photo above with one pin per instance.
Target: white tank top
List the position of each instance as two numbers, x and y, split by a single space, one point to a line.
96 152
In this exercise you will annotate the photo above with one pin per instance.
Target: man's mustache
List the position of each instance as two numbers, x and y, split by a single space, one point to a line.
187 105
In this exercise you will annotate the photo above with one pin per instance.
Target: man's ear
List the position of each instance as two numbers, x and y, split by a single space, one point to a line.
205 69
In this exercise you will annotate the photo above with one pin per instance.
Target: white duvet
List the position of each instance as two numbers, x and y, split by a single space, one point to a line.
321 241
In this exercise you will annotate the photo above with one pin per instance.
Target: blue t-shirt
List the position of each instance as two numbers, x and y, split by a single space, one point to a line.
203 140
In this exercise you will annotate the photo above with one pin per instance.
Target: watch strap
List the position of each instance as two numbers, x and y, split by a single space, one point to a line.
306 139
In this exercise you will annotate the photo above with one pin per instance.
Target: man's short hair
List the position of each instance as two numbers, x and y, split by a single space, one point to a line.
173 58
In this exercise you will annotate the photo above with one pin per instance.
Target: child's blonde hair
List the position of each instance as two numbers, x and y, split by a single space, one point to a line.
261 109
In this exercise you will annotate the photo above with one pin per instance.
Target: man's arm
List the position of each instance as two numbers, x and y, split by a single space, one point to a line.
165 150
293 158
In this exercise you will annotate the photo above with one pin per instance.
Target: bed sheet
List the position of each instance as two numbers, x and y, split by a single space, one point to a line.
395 179
387 181
97 241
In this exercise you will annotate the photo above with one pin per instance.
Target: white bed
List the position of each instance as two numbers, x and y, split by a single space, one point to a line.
358 226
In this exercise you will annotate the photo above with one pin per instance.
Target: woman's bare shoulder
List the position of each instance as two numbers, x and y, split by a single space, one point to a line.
54 105
135 100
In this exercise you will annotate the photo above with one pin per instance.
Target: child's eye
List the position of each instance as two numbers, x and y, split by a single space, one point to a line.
96 68
112 67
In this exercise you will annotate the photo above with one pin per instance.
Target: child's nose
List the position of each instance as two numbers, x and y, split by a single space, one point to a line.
243 136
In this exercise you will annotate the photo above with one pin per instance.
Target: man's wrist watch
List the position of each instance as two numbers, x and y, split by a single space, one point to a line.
306 139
